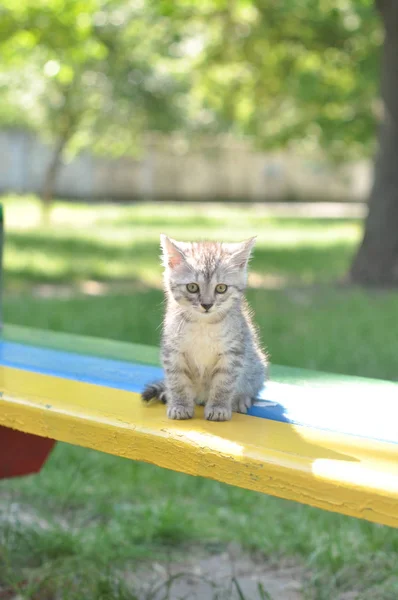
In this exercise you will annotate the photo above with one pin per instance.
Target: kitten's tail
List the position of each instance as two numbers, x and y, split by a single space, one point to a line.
156 390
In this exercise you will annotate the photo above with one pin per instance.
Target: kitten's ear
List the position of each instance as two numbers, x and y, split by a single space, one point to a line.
240 252
173 252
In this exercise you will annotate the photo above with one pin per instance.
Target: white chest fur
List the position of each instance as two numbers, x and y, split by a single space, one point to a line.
202 346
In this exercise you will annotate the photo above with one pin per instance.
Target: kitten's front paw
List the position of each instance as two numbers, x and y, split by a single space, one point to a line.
218 413
180 412
242 404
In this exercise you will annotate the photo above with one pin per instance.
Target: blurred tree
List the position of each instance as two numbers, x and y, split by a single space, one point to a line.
296 73
301 73
96 74
376 262
304 73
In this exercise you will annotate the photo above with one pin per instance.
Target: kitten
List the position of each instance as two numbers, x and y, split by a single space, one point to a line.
210 349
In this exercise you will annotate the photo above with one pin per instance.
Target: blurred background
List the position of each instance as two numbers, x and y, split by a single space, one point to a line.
122 119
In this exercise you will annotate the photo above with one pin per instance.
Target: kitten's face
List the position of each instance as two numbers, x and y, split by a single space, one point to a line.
205 278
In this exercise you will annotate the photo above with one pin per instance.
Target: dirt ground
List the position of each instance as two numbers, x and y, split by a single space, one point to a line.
230 575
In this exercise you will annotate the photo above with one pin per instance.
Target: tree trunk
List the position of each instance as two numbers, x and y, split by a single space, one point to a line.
376 263
50 178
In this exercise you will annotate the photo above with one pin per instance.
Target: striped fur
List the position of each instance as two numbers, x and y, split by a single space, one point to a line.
155 391
210 351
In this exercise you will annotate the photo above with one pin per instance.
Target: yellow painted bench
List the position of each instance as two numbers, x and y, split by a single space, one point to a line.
324 440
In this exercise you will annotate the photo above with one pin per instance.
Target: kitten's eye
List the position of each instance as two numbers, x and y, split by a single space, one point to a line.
221 288
193 288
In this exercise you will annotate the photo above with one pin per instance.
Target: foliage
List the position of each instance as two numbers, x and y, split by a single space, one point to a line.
96 70
300 72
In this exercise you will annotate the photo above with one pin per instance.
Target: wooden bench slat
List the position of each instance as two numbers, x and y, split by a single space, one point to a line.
344 405
339 472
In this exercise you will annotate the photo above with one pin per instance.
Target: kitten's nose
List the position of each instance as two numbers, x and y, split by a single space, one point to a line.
207 307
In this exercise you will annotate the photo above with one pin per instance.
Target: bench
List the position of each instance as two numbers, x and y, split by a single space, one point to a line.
320 439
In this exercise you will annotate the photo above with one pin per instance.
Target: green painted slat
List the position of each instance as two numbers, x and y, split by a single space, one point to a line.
84 345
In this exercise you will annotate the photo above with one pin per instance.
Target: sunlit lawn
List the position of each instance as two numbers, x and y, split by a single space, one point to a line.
113 243
96 271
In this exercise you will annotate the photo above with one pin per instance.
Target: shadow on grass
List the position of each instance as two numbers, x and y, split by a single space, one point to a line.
304 263
306 223
74 247
136 317
82 259
209 220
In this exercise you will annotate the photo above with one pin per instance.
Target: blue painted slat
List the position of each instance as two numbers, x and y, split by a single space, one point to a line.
332 410
89 369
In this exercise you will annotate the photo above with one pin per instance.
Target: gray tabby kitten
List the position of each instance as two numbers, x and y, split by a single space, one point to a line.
210 349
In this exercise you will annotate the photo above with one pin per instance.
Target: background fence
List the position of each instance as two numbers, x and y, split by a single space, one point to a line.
168 168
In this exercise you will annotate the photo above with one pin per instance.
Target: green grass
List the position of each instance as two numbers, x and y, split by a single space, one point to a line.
66 532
